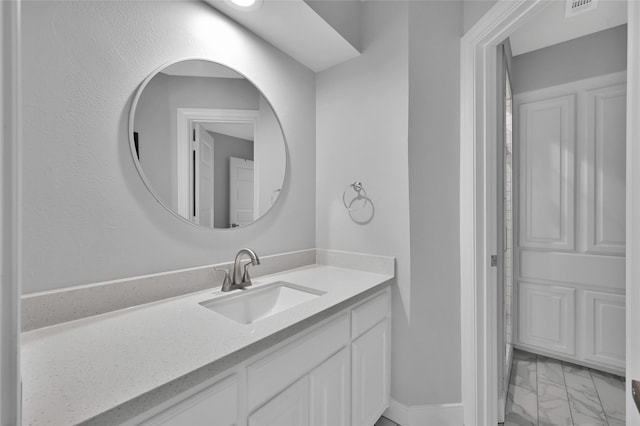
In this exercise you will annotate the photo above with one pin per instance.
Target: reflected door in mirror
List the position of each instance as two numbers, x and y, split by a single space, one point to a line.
191 118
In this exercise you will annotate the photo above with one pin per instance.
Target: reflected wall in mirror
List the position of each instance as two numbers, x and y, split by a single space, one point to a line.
207 144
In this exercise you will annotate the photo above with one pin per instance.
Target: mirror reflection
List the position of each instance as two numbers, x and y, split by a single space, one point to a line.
208 144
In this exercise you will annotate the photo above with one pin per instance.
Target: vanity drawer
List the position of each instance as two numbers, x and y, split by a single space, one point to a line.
369 313
277 370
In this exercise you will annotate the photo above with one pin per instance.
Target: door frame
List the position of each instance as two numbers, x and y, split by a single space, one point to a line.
186 116
10 212
478 130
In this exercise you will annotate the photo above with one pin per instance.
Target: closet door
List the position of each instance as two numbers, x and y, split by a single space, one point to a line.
571 236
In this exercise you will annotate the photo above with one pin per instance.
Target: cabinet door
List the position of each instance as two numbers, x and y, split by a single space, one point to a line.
546 317
330 391
370 383
289 408
604 315
216 405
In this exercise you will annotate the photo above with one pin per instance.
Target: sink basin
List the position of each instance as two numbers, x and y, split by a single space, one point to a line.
254 304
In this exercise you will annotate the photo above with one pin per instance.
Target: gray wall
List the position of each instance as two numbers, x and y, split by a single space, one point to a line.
87 215
224 147
434 105
390 119
596 54
156 147
474 10
361 121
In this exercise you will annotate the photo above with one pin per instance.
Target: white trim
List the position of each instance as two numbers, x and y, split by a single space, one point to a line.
477 145
210 115
397 412
633 206
573 87
425 415
10 212
478 109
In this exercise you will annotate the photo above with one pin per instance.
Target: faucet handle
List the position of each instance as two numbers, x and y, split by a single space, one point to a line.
226 283
246 279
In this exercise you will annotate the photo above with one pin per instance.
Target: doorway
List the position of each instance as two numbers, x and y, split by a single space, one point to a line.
478 203
568 293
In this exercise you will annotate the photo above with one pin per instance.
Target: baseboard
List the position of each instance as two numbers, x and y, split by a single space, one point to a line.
397 412
425 415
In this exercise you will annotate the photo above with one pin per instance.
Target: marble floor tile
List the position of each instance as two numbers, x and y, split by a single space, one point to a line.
522 406
553 404
578 379
586 410
524 355
548 392
615 422
550 370
523 373
611 392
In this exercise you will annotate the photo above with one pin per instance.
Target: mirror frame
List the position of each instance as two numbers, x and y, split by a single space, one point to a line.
145 180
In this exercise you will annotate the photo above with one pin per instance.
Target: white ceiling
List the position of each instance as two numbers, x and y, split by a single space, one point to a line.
550 26
238 130
295 28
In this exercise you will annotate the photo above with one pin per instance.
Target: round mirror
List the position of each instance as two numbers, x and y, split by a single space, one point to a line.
207 144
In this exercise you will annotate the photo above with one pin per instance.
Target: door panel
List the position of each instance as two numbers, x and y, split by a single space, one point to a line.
547 149
606 144
241 182
289 408
604 319
547 317
204 177
331 391
370 392
572 268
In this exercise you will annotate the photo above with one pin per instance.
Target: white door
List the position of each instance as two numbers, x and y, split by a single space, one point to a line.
504 251
572 221
289 408
330 391
633 212
240 191
202 177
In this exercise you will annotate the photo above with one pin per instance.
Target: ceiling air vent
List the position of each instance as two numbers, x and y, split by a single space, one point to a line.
575 7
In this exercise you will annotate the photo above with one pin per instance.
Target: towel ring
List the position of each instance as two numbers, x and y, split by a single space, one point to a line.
361 193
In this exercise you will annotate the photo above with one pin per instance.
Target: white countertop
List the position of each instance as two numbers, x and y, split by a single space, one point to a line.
75 371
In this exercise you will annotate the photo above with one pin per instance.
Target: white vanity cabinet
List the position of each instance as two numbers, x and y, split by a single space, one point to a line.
370 355
321 398
215 405
289 408
335 373
330 391
350 387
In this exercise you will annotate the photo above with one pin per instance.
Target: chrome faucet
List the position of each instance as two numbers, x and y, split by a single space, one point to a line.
240 278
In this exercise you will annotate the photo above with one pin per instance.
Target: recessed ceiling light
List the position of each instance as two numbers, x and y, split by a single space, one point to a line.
244 4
